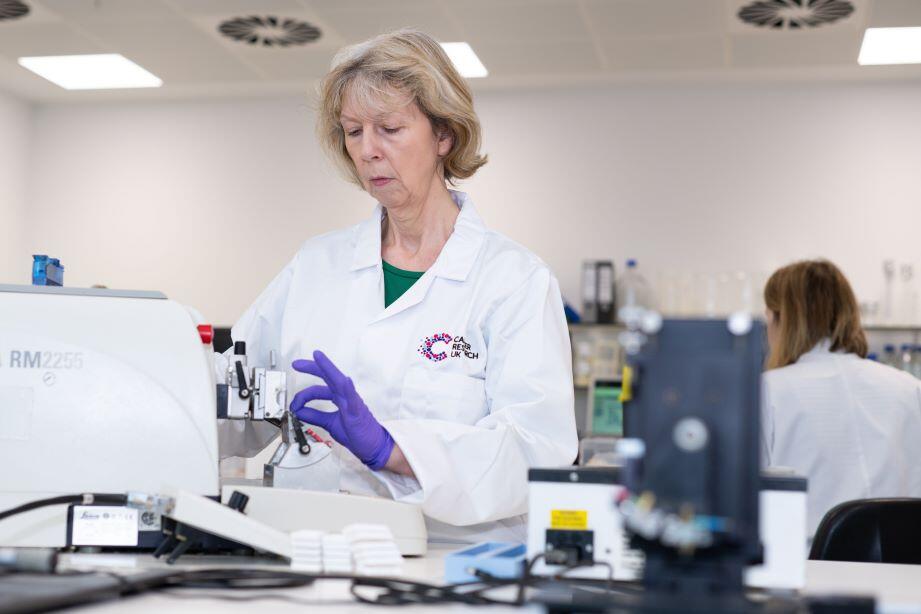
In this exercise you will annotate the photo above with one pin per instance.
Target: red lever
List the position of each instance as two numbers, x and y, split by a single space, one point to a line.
206 332
319 439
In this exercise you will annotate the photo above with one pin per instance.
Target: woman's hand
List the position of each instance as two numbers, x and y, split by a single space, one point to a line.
353 425
399 464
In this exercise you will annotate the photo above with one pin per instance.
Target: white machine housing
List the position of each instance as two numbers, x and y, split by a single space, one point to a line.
782 524
101 391
291 510
584 499
580 500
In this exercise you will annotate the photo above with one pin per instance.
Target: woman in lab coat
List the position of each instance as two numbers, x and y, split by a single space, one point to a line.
433 350
850 425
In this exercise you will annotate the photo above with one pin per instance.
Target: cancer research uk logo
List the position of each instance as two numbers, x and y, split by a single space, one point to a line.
456 347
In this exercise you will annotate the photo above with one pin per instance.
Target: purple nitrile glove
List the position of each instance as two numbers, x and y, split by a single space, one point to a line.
353 425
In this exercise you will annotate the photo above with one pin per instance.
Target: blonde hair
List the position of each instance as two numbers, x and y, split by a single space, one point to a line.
389 71
812 300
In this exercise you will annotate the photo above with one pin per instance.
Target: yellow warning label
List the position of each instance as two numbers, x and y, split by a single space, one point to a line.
626 386
575 520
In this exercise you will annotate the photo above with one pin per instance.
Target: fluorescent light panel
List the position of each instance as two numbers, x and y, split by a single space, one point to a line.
890 46
465 60
90 72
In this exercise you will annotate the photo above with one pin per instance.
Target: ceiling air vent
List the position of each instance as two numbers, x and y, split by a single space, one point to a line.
794 14
12 9
269 31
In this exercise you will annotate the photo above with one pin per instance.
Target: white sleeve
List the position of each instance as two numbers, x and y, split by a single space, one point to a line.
468 474
260 328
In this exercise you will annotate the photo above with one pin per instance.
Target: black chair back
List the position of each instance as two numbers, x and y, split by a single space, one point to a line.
870 531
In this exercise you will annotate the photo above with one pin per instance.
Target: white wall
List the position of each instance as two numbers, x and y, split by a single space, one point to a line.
15 126
206 200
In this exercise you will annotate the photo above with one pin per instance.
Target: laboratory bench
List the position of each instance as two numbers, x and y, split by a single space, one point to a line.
897 588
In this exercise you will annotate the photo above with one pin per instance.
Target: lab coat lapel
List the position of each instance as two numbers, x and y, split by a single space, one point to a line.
411 297
367 242
366 295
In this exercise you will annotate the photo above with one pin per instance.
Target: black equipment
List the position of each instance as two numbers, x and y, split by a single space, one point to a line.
696 406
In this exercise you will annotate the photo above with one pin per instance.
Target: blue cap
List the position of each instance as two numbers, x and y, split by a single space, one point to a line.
905 346
890 347
872 356
47 271
631 262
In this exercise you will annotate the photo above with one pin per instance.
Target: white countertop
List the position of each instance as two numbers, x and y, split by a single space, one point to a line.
896 587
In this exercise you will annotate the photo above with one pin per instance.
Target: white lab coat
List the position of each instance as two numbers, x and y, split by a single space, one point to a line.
471 423
851 426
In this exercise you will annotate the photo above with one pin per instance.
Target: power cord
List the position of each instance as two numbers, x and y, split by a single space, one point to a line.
610 579
392 591
526 577
82 499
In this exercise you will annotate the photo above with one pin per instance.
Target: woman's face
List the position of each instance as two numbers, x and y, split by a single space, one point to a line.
397 153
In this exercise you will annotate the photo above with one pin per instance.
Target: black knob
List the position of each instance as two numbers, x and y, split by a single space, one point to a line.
239 348
238 501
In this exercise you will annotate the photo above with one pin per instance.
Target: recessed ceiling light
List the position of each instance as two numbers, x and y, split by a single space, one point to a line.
465 60
890 46
90 72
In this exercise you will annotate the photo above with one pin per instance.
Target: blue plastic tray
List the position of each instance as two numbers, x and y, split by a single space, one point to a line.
499 559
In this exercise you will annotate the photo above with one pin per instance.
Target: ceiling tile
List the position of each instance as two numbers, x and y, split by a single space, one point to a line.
654 18
895 13
810 48
503 23
178 40
293 64
365 5
539 58
54 38
173 49
668 53
235 8
82 10
355 26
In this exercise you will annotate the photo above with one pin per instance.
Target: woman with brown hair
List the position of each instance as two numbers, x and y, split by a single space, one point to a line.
852 426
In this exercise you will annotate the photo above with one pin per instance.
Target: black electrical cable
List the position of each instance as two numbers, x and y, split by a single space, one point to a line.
610 579
400 592
526 577
395 591
246 579
489 582
84 499
251 579
459 593
404 592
